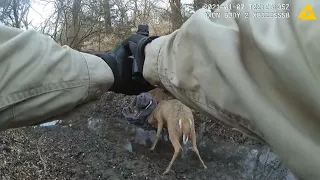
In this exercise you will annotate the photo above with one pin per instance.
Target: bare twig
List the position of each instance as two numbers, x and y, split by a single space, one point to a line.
41 158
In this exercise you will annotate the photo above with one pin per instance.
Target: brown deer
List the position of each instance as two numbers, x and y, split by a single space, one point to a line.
178 119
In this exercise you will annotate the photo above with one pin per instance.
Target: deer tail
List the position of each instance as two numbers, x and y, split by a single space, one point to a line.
184 136
185 139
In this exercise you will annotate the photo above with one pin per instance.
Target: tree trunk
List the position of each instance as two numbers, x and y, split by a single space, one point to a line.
76 7
106 15
135 13
59 6
176 17
197 4
16 14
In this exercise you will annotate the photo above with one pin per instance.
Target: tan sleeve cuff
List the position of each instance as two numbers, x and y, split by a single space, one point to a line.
100 75
151 65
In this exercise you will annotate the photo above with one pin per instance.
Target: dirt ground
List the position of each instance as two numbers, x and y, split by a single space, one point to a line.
95 142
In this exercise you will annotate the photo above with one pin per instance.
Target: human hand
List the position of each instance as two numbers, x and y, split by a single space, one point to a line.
136 44
121 66
127 71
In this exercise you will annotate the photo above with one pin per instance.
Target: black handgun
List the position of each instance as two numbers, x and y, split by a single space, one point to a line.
143 29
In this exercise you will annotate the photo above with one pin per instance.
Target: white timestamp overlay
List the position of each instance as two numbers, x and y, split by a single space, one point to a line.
256 11
260 15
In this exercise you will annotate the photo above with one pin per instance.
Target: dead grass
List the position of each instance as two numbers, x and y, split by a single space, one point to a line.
108 41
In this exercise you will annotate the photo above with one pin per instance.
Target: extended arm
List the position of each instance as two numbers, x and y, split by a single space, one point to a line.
264 69
40 78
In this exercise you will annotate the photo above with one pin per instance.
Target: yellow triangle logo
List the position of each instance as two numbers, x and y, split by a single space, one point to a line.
307 13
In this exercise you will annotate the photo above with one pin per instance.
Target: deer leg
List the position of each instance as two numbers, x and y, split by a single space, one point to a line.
177 148
159 129
194 147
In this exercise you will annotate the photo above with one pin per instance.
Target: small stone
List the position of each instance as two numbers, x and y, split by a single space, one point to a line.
128 146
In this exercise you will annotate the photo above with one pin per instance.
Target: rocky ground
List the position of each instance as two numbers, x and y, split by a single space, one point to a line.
95 142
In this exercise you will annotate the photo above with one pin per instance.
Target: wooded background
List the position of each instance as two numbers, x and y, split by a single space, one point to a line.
97 25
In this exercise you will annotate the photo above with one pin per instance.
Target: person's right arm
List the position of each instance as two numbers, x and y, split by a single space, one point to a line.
40 79
264 69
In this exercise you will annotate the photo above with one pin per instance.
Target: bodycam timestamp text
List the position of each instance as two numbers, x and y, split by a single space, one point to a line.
247 10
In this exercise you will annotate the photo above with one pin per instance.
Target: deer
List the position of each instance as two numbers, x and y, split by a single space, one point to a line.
178 119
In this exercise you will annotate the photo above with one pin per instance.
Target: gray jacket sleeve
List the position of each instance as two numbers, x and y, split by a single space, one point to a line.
40 79
262 65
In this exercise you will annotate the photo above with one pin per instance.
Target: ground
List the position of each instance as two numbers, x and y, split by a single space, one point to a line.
95 142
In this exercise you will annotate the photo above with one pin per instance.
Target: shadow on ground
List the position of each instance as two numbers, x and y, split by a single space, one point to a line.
95 142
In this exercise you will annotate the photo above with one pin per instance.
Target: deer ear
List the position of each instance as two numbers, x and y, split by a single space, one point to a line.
180 124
